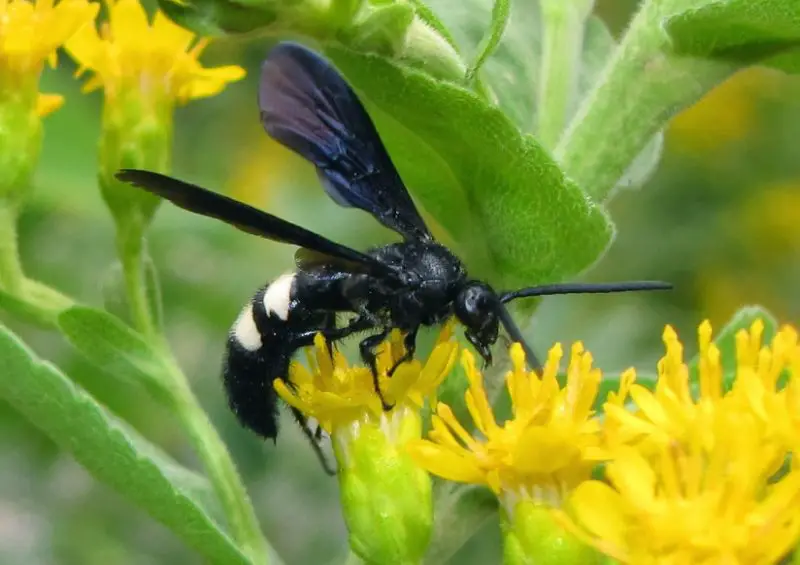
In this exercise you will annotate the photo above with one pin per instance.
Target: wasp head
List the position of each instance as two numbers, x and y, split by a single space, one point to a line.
476 308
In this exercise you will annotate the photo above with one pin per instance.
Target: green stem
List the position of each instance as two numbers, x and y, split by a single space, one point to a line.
642 87
563 22
227 483
131 251
207 443
11 275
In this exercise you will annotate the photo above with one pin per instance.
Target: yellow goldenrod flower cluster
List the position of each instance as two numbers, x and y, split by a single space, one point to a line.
547 447
700 475
695 469
386 498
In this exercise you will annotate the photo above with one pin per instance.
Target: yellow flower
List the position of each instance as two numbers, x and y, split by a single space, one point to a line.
693 503
533 460
546 448
338 395
162 57
675 413
694 472
767 383
386 498
30 34
669 413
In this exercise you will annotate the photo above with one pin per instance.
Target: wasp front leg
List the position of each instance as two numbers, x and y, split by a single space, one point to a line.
410 343
367 348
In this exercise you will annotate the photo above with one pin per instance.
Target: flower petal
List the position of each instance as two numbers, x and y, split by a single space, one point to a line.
444 463
599 509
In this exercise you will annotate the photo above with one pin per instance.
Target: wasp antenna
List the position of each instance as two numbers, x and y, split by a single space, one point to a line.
516 335
583 288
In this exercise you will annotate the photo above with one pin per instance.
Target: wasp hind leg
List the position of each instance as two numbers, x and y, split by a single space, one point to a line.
314 437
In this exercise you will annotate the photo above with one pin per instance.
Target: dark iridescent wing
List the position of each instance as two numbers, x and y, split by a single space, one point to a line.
307 106
251 220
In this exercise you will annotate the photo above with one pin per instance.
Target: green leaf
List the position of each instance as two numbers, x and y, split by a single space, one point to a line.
460 512
197 487
725 340
500 13
598 48
111 345
512 72
510 211
742 31
512 69
641 87
502 201
219 17
79 425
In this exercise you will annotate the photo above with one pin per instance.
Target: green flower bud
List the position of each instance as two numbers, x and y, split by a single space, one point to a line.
21 112
136 134
20 137
532 536
386 497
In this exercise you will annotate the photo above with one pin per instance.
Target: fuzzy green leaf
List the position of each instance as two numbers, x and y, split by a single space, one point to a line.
743 31
512 214
639 90
598 48
725 340
113 346
512 72
500 13
79 425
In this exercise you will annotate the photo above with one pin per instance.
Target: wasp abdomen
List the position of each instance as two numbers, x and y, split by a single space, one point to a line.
259 351
261 343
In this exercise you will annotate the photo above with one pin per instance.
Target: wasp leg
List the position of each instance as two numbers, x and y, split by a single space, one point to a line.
410 342
367 348
312 438
334 334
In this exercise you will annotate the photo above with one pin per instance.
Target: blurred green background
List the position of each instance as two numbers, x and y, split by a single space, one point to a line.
720 219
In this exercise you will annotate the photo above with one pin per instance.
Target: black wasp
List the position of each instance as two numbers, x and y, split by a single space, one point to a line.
307 106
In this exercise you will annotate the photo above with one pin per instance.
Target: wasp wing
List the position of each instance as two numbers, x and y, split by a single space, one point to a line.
307 106
251 220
